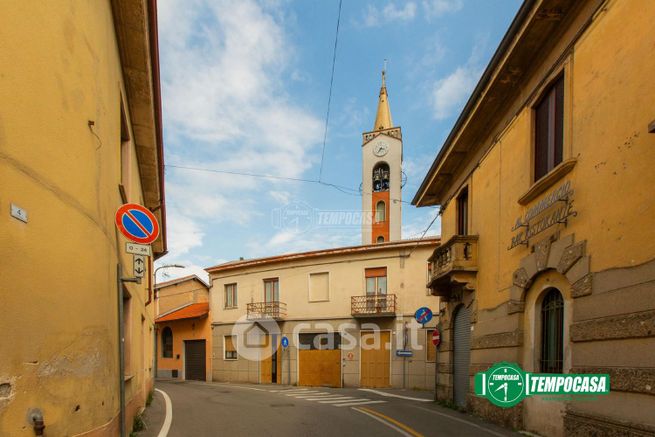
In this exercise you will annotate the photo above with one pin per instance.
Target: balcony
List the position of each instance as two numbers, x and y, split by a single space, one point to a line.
454 265
266 310
374 305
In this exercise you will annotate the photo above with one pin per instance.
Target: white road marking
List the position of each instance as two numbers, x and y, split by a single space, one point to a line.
391 395
322 398
359 402
312 395
246 388
306 393
163 432
341 399
457 419
390 425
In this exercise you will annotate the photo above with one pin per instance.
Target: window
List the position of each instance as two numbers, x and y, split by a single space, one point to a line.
381 177
167 343
376 280
230 349
462 212
549 129
380 212
230 295
380 239
271 290
430 349
552 332
319 287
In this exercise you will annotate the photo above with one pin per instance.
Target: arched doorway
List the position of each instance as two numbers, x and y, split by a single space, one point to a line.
461 355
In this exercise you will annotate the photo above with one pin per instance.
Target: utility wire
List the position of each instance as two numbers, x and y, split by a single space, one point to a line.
327 115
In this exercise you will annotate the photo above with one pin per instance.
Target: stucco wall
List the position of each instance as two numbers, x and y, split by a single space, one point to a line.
186 329
59 271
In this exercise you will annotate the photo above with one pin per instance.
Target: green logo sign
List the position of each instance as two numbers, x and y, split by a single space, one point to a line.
506 384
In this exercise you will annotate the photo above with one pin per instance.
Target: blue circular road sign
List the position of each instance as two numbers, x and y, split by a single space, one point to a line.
285 342
423 315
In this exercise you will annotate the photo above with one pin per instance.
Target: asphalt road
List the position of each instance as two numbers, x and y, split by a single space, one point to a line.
212 409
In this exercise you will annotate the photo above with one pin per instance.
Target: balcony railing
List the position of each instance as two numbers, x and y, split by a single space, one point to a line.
373 305
266 310
454 264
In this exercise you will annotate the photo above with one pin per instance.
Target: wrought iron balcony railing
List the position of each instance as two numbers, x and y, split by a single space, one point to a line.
454 263
266 310
373 305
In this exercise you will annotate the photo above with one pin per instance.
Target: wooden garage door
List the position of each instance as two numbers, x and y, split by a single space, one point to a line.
376 358
194 360
319 360
271 365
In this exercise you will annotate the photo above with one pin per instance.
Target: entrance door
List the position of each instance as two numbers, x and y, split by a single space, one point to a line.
462 355
270 365
375 358
194 360
319 360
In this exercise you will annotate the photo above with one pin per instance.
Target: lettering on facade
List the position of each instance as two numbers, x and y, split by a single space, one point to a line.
553 209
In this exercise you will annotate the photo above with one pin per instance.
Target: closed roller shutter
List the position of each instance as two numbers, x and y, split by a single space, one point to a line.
462 355
194 360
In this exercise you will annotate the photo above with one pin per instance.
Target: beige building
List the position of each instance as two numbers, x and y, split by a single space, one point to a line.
329 302
346 312
183 329
80 134
548 214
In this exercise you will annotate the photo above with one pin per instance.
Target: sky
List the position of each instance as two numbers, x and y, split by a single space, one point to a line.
245 89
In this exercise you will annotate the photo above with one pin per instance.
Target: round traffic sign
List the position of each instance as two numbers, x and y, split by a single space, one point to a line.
436 337
285 342
137 223
423 315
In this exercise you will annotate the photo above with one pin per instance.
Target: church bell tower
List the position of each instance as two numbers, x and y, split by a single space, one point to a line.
382 158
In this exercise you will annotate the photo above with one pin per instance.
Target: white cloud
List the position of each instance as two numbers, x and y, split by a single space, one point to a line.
437 8
292 241
224 67
390 12
282 197
416 227
450 92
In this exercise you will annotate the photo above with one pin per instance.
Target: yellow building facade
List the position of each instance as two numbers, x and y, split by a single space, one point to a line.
80 134
546 190
184 342
330 305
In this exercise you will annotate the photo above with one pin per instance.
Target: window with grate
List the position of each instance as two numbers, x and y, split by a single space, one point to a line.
167 342
552 332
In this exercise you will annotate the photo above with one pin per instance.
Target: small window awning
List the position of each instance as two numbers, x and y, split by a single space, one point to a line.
192 311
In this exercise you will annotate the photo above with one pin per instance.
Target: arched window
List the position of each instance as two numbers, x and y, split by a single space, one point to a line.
380 239
381 177
552 332
380 212
167 342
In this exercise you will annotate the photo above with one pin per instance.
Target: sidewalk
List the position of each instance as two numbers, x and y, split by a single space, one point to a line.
153 416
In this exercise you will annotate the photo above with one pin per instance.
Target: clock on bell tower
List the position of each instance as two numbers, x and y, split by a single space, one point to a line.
382 157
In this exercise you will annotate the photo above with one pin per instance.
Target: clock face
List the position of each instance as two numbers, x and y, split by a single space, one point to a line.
380 148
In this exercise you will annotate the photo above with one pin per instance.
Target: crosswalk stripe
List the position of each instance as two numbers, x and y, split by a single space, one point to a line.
342 399
323 398
298 390
311 395
351 404
303 393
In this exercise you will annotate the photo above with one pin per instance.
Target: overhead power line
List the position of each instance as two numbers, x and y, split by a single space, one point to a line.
327 115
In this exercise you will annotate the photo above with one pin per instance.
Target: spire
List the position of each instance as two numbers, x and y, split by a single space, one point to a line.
383 117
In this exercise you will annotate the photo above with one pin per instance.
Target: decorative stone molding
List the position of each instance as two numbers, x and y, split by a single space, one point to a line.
570 256
629 379
632 325
502 339
582 287
561 254
508 417
577 423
